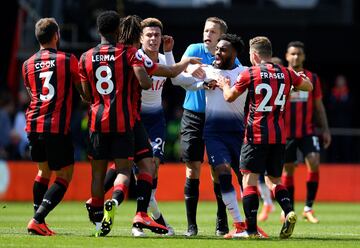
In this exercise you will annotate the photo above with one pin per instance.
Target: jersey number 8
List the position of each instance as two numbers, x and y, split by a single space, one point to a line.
104 84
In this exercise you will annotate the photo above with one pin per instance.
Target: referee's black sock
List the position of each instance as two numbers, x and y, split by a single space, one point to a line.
51 199
191 192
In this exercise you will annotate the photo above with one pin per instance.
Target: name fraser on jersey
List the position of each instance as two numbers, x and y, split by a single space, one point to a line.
275 75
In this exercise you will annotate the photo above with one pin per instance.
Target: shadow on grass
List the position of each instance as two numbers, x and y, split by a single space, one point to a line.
206 237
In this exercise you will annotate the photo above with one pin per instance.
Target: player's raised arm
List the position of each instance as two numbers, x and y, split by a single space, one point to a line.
176 69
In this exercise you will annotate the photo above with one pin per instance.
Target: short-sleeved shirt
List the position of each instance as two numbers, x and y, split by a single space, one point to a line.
49 76
108 68
268 87
195 100
299 115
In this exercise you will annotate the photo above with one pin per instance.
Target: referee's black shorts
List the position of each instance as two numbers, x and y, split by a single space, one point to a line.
192 142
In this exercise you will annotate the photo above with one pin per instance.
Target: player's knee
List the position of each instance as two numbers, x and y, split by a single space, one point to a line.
193 170
313 161
289 169
66 173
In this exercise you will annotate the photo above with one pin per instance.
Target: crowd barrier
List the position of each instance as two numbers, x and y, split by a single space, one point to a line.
338 182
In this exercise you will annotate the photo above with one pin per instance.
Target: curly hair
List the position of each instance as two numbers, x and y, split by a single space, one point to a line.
108 22
236 41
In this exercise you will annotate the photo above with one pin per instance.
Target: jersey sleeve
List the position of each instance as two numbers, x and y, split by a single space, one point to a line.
82 69
317 92
242 81
139 58
74 69
24 74
296 79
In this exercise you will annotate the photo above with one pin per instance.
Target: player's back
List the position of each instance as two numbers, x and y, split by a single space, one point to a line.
49 75
108 70
269 87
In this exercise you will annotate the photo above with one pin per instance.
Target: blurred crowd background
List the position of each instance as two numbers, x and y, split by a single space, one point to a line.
329 29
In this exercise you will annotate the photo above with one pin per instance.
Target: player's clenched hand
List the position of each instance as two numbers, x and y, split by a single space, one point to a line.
168 43
326 139
222 82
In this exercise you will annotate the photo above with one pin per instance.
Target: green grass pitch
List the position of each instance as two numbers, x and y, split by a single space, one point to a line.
339 227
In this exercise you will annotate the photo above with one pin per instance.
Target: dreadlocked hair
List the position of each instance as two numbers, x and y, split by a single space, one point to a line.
130 30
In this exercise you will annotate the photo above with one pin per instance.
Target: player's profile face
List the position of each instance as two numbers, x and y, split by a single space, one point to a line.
224 55
211 34
151 39
295 56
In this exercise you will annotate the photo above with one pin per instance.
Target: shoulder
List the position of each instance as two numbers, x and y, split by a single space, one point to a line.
193 49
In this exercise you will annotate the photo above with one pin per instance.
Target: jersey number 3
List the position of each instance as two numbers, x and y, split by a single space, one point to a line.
48 90
279 100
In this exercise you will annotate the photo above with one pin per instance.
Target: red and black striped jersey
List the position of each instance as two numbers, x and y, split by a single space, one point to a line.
299 115
268 88
109 71
49 76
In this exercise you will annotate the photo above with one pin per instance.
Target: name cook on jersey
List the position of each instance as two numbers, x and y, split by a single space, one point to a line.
43 64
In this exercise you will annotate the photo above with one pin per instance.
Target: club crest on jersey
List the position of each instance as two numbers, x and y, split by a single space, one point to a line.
139 54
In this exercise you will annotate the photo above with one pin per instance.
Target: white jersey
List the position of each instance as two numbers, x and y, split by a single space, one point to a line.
222 116
151 98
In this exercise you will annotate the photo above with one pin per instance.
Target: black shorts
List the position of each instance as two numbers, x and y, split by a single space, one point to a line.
110 146
267 159
143 148
306 145
56 149
192 142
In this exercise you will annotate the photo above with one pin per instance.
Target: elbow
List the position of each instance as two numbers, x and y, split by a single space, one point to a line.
146 86
229 98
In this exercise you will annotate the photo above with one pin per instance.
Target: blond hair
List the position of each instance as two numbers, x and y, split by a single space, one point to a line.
151 22
45 28
262 46
221 22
